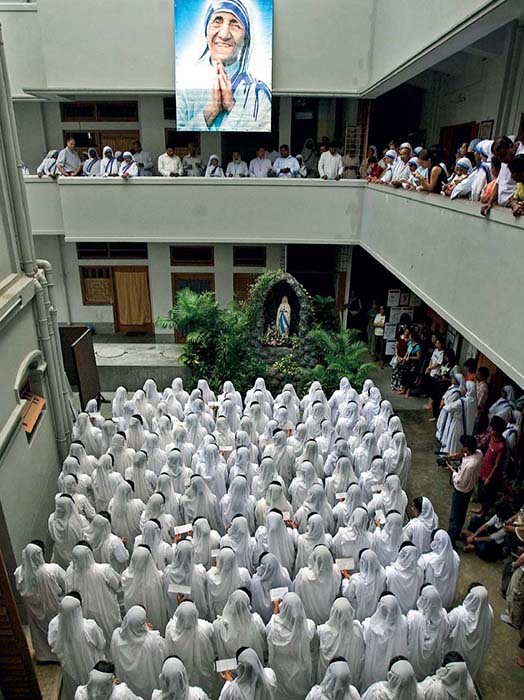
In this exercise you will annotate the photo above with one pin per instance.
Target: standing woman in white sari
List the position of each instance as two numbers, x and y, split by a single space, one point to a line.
471 626
108 429
184 571
348 416
386 540
341 636
340 449
267 474
121 453
306 543
125 512
379 423
224 436
224 578
82 502
384 441
292 641
138 652
343 511
283 456
199 501
337 683
213 470
104 482
89 436
142 585
144 480
354 537
252 682
173 683
172 500
316 502
66 528
312 454
302 482
278 539
40 586
239 627
364 588
117 404
269 574
182 443
372 481
243 466
179 473
451 681
404 577
205 541
343 475
454 422
420 528
399 684
298 440
428 632
318 584
364 454
239 539
274 499
441 567
258 417
392 497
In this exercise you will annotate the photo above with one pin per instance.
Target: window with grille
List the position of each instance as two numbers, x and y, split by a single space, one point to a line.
192 255
169 108
97 286
110 111
249 256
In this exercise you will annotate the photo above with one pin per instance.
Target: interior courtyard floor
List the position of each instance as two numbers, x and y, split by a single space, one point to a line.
499 677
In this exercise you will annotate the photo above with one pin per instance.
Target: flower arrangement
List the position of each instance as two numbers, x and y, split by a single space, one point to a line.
275 339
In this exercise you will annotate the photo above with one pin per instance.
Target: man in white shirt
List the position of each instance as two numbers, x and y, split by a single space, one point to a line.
505 150
68 163
286 165
400 171
237 167
192 163
169 164
464 479
261 165
330 164
142 159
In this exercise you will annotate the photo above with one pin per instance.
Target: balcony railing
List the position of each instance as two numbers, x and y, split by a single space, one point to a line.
467 267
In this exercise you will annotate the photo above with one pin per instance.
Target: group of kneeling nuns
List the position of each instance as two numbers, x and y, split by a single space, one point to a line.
255 549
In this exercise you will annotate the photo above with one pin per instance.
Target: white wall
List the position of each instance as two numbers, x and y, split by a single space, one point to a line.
23 42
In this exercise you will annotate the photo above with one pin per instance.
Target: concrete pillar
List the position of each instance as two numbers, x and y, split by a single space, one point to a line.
284 120
210 144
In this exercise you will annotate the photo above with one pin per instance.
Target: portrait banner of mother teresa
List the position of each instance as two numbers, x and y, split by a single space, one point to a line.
223 52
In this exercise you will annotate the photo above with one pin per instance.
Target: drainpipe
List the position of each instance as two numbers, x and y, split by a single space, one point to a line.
50 312
49 289
13 169
45 339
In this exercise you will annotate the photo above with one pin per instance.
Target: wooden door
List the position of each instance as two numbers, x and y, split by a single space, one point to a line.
118 140
132 300
242 281
199 282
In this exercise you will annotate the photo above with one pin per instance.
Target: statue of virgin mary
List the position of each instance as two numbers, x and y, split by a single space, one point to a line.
284 317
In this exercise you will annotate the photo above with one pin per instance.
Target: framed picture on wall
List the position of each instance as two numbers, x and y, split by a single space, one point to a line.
485 129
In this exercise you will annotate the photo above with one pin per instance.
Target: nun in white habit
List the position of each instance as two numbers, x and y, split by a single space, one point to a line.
230 411
341 635
82 502
239 539
152 537
181 443
104 482
379 423
337 683
101 685
252 682
195 430
183 571
138 652
155 510
360 429
298 440
343 475
441 567
266 438
224 436
394 426
274 499
392 497
135 433
302 482
292 643
312 454
176 468
451 682
66 528
340 449
354 537
385 636
165 430
89 436
419 528
174 684
117 404
283 456
343 511
400 684
372 481
315 534
404 577
278 539
125 512
87 462
172 499
198 501
40 586
98 585
107 547
71 465
326 438
243 466
364 453
428 632
269 574
223 579
244 439
77 642
108 429
191 640
144 479
470 627
267 474
398 458
142 585
386 540
371 407
156 457
239 627
205 541
364 588
347 419
258 417
316 502
318 584
454 422
121 453
178 390
339 397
